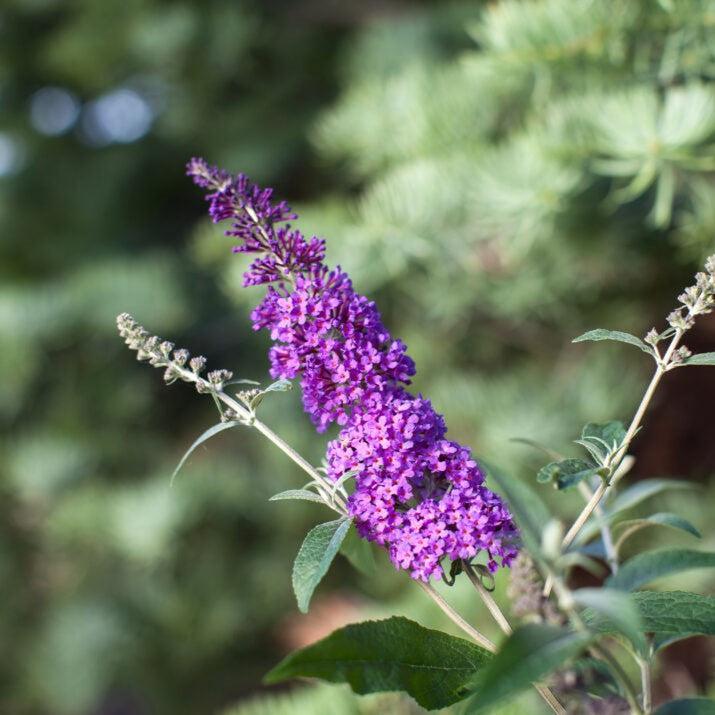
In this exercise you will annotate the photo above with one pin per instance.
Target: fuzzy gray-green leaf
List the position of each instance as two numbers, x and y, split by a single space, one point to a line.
700 359
566 473
389 655
303 494
618 335
665 518
314 558
646 567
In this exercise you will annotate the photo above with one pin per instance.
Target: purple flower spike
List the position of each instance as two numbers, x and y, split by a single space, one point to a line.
417 494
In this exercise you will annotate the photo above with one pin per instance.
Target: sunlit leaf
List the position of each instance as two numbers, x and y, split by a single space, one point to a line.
314 558
617 335
297 494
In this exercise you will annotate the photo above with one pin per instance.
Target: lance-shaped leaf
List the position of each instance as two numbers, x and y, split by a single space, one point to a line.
632 526
619 336
647 567
671 613
687 706
700 359
631 497
530 654
210 432
303 494
645 489
314 558
389 655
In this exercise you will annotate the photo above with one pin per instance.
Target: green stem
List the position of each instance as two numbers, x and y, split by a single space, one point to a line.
335 502
605 488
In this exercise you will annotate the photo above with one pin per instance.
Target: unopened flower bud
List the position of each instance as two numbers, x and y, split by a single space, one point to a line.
198 364
165 348
652 337
181 356
218 377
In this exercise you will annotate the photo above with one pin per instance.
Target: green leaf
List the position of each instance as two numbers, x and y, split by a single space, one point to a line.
297 494
630 497
666 613
529 511
687 706
394 654
700 359
359 552
567 473
665 518
314 558
676 612
618 608
210 432
612 432
644 568
531 653
644 489
621 337
277 386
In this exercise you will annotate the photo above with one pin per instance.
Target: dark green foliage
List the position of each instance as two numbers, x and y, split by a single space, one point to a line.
667 612
687 706
395 654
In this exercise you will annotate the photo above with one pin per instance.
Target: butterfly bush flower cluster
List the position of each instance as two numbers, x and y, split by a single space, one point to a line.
418 494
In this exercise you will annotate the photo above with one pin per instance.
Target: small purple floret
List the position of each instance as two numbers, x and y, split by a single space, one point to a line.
417 494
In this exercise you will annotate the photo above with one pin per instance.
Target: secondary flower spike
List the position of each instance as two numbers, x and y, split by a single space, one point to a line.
418 494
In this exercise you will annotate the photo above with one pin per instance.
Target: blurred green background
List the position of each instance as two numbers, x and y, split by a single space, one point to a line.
501 177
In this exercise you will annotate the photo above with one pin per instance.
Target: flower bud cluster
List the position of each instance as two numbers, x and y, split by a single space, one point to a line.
417 494
697 299
526 593
161 353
